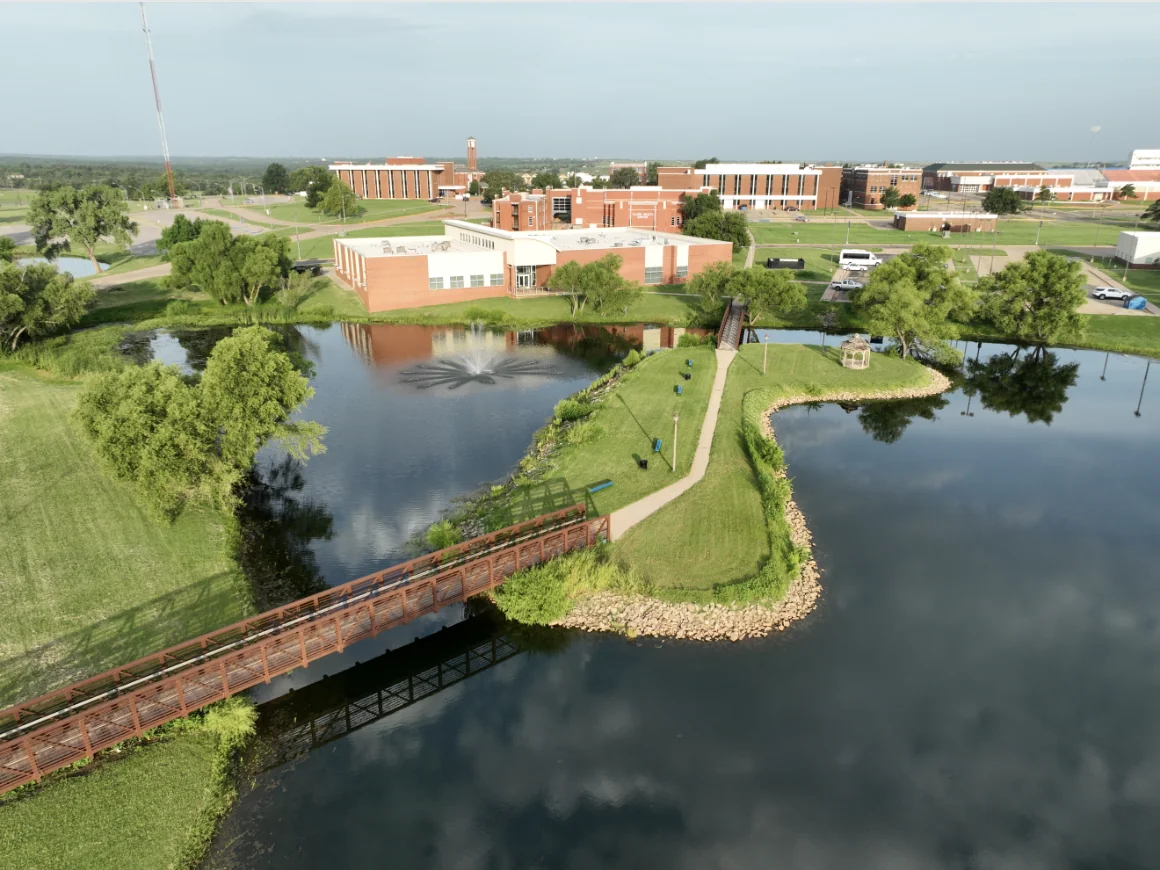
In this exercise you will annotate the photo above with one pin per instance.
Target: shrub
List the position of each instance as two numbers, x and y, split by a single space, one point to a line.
567 410
632 358
545 594
442 535
583 432
179 308
689 340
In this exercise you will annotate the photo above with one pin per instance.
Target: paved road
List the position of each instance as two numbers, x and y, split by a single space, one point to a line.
628 516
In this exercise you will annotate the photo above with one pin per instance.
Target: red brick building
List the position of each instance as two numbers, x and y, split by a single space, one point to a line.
981 177
408 177
863 186
759 185
1146 181
648 208
470 262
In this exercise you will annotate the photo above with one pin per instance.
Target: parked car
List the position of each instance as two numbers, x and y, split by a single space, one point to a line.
802 218
846 284
1110 293
934 194
791 208
856 267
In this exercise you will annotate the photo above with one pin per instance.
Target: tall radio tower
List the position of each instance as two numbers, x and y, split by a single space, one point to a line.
157 98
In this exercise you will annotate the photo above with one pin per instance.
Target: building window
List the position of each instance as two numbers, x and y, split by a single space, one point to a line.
682 271
434 283
531 220
653 274
476 280
785 185
456 281
673 221
497 279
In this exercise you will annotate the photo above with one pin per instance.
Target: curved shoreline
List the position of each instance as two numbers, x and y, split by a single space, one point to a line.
650 617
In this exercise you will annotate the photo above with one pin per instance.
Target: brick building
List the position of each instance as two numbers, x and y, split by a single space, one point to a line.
408 177
1146 182
981 177
470 262
640 168
648 208
863 186
935 222
759 185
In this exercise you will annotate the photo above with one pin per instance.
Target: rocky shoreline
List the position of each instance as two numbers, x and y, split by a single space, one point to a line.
649 617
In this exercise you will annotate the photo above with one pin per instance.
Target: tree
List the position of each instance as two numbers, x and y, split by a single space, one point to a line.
912 298
276 179
623 177
650 174
701 164
568 279
65 216
181 230
497 181
339 200
38 300
7 249
1003 200
828 319
766 292
709 284
695 206
315 180
546 180
473 188
1036 299
1128 191
598 283
231 268
1044 194
728 226
907 200
890 197
1152 212
572 181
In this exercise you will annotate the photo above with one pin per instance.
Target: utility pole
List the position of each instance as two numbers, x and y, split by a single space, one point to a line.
1037 232
765 355
157 99
675 418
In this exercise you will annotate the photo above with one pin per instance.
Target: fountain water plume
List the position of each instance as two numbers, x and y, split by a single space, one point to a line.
476 365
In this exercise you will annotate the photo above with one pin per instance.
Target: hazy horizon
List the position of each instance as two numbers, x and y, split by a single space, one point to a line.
923 83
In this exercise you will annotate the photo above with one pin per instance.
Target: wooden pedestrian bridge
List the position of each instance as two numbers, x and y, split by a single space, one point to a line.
72 723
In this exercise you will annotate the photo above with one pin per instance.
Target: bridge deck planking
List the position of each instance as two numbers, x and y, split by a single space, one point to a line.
36 749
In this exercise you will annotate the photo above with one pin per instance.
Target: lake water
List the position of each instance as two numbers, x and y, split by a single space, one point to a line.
78 267
980 687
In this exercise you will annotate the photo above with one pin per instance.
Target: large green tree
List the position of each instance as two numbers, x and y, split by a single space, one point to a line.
907 200
651 174
1036 299
545 180
623 177
890 197
1003 200
7 249
766 292
701 164
913 298
498 181
183 440
725 226
695 206
181 230
66 216
231 268
599 284
339 200
276 179
39 300
709 286
314 180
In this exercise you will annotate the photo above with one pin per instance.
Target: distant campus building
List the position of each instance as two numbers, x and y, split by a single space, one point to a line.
408 177
470 261
863 186
759 185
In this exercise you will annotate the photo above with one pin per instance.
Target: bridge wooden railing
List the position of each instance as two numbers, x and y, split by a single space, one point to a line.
70 724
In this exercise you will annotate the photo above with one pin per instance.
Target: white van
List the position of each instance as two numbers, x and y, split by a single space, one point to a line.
852 257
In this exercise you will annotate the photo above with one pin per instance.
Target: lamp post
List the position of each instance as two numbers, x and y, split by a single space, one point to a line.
765 354
847 232
262 190
1037 232
676 417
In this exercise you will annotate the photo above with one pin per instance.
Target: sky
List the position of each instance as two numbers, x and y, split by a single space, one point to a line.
749 81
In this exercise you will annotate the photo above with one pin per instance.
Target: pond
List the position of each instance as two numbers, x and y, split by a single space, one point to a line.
78 267
978 689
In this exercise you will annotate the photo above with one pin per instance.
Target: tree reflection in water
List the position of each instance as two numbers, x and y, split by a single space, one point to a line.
276 530
886 421
1034 384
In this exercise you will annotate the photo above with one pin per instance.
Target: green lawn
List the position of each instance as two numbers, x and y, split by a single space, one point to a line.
123 261
323 246
1146 282
715 534
87 579
372 210
133 813
1012 231
638 411
256 220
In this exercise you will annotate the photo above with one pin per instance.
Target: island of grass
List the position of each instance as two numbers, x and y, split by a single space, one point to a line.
722 559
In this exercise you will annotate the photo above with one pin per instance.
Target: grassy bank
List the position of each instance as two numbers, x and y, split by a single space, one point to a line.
145 804
87 579
716 535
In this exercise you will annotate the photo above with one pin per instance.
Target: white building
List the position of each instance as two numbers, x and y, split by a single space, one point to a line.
1139 249
1145 158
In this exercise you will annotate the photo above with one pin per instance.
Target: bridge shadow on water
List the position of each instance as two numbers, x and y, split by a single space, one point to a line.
295 724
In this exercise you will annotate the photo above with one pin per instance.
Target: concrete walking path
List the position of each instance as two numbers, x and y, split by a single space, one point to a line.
157 271
751 250
620 521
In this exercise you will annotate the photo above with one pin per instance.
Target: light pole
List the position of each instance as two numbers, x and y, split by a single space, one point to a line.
1037 232
765 354
676 417
262 190
847 232
994 246
1138 404
1092 144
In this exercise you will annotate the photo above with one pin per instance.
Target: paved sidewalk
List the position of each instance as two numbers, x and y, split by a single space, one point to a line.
622 520
751 251
157 271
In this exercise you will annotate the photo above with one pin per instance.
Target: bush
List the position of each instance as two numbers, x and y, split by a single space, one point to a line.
632 359
180 308
583 432
443 535
689 340
79 353
572 409
545 594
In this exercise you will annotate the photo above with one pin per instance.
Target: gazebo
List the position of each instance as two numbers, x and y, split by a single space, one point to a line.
855 352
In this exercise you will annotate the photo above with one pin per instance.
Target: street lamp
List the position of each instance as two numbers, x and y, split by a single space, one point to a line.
765 354
262 190
676 417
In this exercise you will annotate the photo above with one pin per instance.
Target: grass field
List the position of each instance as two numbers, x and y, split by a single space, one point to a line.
638 411
715 533
135 812
88 580
1012 231
256 220
372 210
1146 282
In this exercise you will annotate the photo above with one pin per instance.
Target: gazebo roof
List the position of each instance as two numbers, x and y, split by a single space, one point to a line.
855 342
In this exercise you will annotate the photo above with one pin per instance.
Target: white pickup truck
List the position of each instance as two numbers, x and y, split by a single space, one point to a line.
846 284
